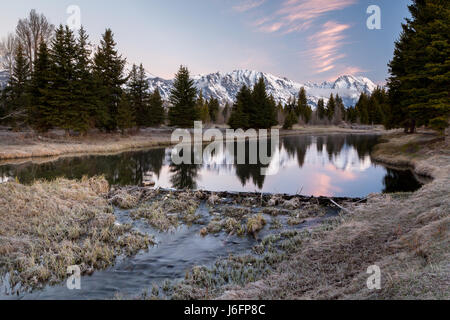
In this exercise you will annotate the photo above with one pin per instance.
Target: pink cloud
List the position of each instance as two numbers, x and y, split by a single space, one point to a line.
248 5
297 15
327 43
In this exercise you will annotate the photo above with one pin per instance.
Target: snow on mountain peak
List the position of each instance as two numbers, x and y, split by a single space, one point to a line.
225 86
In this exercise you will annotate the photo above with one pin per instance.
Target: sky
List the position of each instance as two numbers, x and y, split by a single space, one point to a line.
302 40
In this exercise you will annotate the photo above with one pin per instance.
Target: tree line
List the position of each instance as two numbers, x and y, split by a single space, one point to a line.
57 81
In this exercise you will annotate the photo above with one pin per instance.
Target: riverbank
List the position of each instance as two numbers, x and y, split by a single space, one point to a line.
405 235
16 147
49 226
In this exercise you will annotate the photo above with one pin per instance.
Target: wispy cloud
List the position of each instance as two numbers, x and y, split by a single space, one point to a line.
297 15
300 15
327 43
248 5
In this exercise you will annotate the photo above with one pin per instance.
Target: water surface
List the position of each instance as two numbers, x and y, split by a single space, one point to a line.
318 165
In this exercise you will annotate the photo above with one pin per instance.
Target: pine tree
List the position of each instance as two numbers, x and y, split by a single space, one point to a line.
156 109
18 88
226 112
420 70
362 108
331 107
202 108
213 107
351 115
62 94
85 105
340 111
262 110
139 95
291 120
239 118
321 112
109 78
42 111
183 111
303 110
125 114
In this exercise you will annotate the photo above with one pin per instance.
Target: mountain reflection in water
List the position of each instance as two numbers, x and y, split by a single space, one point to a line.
320 165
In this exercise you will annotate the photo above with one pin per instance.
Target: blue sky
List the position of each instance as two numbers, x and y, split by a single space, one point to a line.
303 40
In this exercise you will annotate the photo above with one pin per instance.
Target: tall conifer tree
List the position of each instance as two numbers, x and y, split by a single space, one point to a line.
420 70
109 78
183 96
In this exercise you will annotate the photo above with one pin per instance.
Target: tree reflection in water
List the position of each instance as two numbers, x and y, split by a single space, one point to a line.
334 157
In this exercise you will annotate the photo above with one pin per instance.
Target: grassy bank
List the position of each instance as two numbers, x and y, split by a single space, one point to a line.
16 146
406 235
48 226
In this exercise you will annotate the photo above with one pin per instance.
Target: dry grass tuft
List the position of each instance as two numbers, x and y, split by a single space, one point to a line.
166 213
48 226
255 224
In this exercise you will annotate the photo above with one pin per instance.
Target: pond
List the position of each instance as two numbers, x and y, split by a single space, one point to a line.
319 165
311 165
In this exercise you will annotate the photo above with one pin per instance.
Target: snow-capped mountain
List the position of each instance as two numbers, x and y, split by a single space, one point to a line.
225 86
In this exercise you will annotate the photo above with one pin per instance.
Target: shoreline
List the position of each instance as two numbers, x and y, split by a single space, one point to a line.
24 149
406 235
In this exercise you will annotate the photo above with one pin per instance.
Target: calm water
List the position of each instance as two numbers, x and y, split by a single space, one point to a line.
337 165
319 165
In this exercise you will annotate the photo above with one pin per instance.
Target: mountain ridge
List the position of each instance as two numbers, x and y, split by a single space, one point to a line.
225 86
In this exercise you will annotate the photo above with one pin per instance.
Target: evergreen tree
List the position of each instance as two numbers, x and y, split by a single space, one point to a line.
262 109
139 95
226 112
83 85
183 111
321 112
362 108
108 74
303 110
331 107
239 118
351 115
213 107
291 120
340 111
18 87
202 108
42 111
420 70
62 95
125 114
377 106
156 109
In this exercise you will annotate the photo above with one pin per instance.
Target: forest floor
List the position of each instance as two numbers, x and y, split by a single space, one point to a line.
28 145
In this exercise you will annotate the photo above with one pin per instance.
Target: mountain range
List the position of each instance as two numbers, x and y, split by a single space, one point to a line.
225 86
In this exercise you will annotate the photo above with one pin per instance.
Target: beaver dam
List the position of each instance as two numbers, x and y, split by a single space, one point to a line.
137 242
196 238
